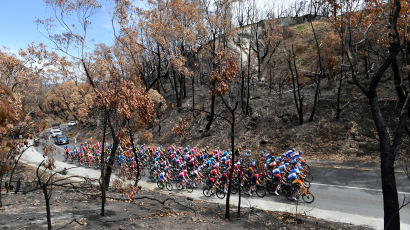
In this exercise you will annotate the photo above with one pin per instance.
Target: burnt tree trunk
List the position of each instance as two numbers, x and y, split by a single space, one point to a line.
388 149
339 93
319 76
258 51
177 97
339 88
398 81
387 157
184 86
239 188
247 110
137 176
109 166
193 95
212 114
158 65
211 117
181 86
102 166
242 81
47 199
296 86
1 182
232 122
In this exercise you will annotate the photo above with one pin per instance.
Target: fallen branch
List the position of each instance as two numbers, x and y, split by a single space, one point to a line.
139 198
154 199
66 225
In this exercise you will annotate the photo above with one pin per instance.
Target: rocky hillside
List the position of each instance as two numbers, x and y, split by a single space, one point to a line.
273 122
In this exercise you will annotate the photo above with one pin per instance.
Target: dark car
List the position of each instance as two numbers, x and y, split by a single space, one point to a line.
36 141
61 140
55 125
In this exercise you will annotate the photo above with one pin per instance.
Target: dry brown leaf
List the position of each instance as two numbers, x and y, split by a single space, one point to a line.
35 202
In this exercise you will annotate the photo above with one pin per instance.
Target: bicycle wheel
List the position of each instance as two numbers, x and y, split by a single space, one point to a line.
220 193
234 189
245 189
309 178
179 186
308 198
289 196
169 186
288 192
270 188
160 185
189 187
207 192
260 191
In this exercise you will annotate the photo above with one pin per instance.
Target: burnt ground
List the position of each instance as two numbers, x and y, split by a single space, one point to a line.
72 210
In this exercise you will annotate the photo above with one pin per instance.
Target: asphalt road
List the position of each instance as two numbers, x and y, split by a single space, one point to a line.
342 194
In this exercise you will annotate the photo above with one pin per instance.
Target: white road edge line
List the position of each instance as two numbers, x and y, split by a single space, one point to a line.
359 188
33 157
333 185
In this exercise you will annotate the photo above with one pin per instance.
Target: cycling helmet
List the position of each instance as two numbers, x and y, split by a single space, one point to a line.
292 176
295 171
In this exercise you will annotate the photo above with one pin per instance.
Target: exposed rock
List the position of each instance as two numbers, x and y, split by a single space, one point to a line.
255 116
263 142
362 144
359 153
358 138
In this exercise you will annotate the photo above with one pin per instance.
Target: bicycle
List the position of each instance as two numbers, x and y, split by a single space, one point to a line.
187 185
210 191
162 185
307 197
289 191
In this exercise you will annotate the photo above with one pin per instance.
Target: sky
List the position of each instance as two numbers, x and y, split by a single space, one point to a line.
18 27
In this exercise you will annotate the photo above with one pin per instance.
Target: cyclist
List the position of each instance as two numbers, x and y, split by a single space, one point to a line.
254 182
197 175
183 176
66 152
163 176
296 183
212 182
223 179
90 159
277 180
